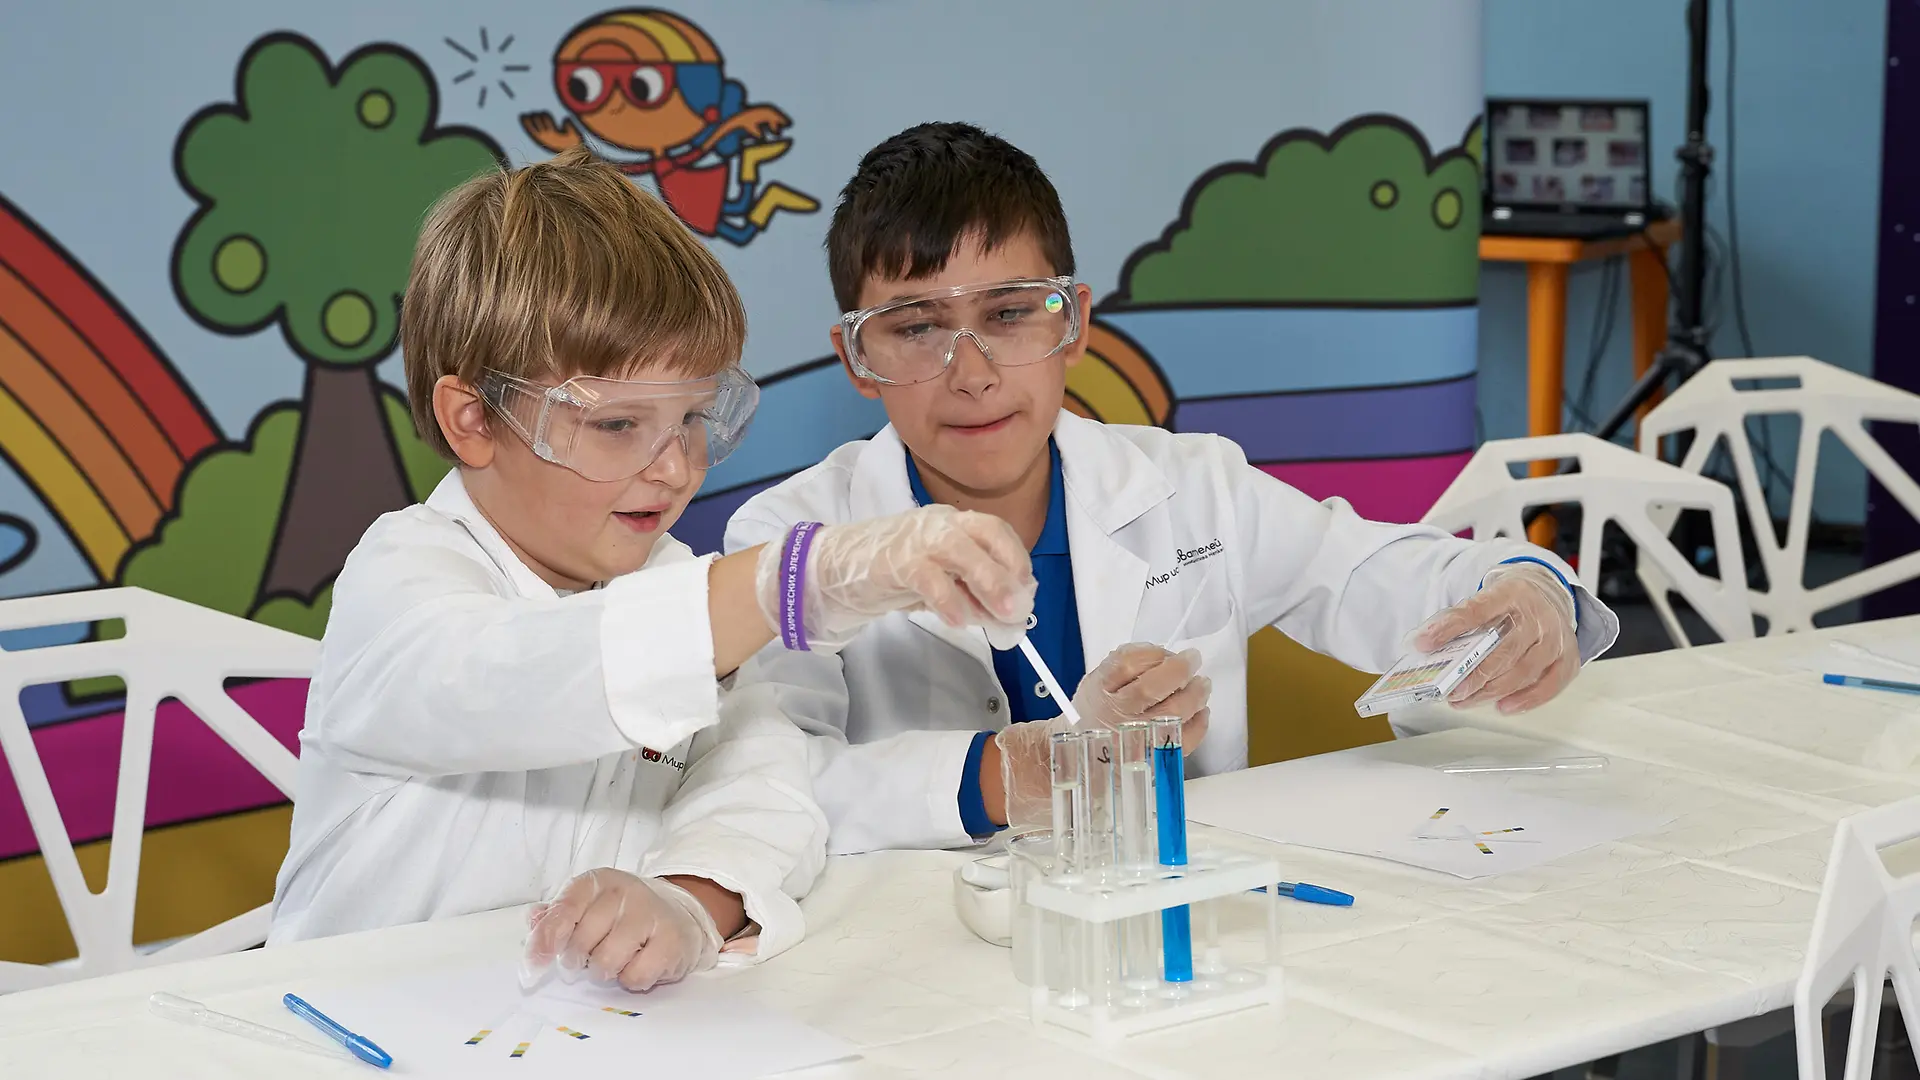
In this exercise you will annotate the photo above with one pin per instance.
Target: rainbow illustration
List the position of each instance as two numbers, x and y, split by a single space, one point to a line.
478 1036
618 1012
92 416
572 1034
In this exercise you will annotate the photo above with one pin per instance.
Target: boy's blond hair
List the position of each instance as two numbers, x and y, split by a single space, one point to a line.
559 269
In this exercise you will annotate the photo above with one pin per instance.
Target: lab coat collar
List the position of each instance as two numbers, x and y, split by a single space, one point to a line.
1110 482
1111 479
450 498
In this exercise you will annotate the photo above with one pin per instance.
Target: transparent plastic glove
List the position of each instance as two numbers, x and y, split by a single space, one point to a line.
969 568
1538 654
615 926
1134 682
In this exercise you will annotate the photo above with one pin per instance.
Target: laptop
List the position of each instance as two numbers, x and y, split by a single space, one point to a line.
1571 168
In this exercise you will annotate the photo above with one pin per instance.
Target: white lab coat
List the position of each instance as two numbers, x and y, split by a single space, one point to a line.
474 740
1176 540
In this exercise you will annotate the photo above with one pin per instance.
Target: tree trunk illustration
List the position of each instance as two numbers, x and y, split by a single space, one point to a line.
346 472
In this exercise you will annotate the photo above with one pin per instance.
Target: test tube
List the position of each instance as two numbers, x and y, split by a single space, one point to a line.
1212 959
1098 853
1069 799
1133 826
1170 828
1097 846
1071 832
1134 845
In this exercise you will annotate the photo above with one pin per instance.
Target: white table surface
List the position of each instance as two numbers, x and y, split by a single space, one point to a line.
1700 923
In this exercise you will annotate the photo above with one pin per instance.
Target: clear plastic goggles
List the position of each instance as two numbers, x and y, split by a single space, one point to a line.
610 429
912 340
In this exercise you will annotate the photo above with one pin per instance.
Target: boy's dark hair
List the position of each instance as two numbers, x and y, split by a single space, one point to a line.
918 194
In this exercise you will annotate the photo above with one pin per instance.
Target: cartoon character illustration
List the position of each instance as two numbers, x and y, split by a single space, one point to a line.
648 82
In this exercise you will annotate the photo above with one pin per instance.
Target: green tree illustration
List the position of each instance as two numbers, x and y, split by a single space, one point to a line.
311 186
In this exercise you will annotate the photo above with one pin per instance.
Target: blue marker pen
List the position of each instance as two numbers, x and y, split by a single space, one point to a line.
1170 808
359 1045
1314 894
1861 682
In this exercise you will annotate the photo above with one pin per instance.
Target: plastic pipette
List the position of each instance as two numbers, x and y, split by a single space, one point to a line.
1053 685
189 1011
1863 653
1564 764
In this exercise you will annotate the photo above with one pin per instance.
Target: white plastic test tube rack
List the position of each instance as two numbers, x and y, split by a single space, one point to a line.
1093 904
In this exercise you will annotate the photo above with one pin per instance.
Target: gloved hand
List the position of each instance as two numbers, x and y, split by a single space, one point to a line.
1539 652
640 931
968 567
1134 682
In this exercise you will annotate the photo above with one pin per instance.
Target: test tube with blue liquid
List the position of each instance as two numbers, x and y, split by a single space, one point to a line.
1170 827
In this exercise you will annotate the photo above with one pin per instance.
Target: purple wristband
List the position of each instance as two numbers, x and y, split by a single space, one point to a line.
793 586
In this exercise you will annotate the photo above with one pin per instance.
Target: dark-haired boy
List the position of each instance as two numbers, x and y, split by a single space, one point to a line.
949 252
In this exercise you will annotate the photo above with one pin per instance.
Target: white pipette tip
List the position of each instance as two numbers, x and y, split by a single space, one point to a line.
1052 684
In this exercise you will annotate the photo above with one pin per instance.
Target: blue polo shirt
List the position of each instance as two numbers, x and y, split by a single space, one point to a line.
1055 635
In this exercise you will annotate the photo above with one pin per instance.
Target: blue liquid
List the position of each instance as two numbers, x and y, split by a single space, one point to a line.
1170 806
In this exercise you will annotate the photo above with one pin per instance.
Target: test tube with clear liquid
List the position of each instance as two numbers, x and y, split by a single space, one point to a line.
1071 828
1098 852
1134 848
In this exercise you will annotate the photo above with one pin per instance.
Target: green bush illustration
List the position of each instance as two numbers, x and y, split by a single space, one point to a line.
1364 216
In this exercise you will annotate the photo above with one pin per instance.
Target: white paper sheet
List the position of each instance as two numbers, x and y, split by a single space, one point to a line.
430 1022
1346 802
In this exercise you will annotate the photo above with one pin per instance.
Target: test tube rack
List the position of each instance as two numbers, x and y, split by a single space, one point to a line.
1081 921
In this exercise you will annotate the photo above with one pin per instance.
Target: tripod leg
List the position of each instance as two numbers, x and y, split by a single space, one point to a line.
1670 362
1648 274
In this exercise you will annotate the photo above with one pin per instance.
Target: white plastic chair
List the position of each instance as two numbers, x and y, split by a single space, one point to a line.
1613 484
1862 932
1827 398
172 649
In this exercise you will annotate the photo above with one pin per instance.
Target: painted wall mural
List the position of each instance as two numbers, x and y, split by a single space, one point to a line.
206 402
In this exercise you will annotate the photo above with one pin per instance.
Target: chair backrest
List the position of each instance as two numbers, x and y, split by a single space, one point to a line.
1612 484
171 649
1714 406
1862 932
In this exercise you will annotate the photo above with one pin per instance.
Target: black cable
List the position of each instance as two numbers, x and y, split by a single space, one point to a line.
1733 211
1765 442
1606 313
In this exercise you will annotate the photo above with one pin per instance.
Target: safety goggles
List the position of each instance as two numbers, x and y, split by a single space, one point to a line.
585 85
610 429
912 340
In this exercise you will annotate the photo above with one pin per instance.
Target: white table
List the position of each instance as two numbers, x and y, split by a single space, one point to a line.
1700 923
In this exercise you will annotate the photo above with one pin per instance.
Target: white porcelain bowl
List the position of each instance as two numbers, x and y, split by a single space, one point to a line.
982 896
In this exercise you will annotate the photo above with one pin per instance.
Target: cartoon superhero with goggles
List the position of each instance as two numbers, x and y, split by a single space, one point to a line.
649 90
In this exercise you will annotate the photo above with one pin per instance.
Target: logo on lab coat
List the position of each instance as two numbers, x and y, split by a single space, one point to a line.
1184 558
648 753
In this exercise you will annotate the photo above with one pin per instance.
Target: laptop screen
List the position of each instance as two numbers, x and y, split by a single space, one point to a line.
1567 155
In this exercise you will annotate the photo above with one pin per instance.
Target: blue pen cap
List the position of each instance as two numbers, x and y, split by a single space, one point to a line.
368 1052
1834 680
1314 894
